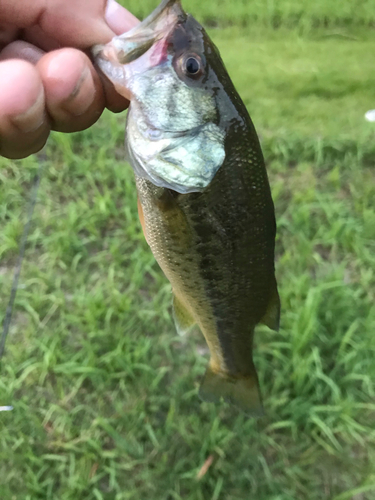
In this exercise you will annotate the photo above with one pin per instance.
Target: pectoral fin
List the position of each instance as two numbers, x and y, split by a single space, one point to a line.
242 392
182 318
142 219
272 316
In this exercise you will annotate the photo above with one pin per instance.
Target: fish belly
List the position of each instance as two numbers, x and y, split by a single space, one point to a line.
173 242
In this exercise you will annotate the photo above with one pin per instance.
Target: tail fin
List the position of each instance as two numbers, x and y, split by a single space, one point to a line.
242 392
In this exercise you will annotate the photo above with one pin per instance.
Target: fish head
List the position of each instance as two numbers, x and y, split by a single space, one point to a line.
173 75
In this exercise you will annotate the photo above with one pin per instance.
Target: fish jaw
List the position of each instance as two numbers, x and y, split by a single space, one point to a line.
121 58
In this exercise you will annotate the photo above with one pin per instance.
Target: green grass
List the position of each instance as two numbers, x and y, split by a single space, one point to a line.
303 14
105 393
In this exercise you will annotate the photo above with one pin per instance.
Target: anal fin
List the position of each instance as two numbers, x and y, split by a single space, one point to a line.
182 318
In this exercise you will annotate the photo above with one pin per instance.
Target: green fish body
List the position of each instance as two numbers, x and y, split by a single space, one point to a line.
204 198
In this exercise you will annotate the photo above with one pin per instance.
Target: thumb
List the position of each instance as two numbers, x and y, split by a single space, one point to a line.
83 23
75 23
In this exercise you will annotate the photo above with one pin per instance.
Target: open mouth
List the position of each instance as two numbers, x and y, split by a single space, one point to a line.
114 59
133 44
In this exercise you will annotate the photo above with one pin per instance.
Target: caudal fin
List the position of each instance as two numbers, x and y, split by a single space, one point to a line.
242 392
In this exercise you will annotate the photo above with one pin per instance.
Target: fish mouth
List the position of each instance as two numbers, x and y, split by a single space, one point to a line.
122 50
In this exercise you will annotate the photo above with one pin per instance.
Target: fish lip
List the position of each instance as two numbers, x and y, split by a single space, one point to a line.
134 43
160 13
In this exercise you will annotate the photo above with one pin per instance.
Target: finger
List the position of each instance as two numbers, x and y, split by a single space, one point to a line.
22 50
74 94
76 23
7 34
36 36
118 18
24 125
47 35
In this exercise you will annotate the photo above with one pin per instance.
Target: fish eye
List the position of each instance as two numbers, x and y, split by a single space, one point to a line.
192 66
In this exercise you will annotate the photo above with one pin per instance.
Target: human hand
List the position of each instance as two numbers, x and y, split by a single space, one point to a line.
47 81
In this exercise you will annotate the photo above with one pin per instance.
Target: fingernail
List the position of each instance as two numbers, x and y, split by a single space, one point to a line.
33 118
111 9
82 96
118 18
22 50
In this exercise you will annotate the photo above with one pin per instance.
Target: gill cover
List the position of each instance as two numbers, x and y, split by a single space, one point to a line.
185 162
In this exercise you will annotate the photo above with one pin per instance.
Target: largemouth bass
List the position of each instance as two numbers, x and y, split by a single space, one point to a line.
204 198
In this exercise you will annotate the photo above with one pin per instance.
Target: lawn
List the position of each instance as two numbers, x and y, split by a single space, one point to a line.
104 391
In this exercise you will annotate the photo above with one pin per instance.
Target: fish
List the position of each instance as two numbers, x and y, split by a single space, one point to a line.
204 199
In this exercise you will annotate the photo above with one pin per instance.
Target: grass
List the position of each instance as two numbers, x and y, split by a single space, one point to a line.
304 15
105 393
